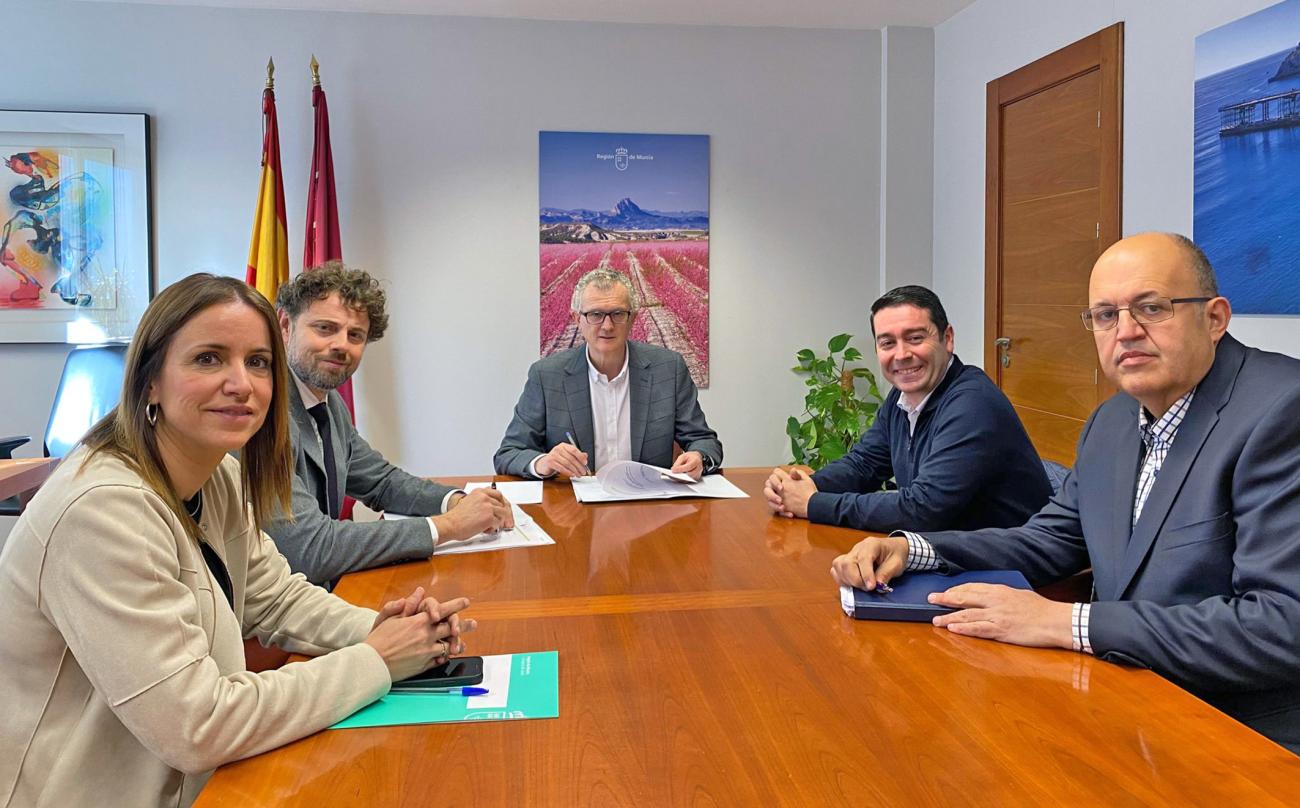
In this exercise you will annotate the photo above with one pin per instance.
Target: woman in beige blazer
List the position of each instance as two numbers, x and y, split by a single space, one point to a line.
128 585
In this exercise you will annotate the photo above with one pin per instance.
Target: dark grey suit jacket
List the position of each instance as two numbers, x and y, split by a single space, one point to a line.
321 546
1205 588
557 398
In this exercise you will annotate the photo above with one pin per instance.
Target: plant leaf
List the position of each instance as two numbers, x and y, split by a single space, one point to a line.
838 342
833 448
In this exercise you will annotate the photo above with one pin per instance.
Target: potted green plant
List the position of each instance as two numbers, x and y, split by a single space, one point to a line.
835 415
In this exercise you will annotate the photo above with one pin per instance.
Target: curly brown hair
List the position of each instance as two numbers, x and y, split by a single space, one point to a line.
355 287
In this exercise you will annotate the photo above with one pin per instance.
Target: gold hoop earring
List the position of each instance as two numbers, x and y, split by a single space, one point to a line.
151 414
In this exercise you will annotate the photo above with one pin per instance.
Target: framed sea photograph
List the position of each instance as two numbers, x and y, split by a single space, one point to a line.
638 204
1246 214
75 246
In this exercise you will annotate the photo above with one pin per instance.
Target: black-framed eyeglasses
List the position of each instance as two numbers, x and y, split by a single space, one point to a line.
617 317
1145 312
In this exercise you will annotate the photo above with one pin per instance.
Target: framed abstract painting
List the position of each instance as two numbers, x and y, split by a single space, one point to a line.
75 247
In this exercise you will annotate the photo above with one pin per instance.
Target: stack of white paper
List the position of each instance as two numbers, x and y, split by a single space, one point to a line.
527 533
628 480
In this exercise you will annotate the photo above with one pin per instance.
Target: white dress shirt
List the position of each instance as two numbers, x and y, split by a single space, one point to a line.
611 415
310 399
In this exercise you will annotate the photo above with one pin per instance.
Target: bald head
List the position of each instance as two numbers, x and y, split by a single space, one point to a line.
1179 253
1157 362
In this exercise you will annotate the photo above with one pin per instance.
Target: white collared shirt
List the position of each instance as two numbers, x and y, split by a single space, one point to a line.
914 413
611 414
310 399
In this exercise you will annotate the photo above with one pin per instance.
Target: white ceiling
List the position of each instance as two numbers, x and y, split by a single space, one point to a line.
750 13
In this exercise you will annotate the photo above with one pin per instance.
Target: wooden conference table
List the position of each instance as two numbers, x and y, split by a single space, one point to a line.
704 660
22 476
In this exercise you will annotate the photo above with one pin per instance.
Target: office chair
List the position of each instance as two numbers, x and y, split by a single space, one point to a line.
90 387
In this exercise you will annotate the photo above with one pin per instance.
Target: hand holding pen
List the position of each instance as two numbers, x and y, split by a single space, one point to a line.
565 458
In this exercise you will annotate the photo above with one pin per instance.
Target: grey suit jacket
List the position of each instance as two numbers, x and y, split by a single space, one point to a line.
557 398
1205 587
321 546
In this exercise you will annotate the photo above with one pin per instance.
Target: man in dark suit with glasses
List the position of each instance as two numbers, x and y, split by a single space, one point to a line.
610 399
1184 501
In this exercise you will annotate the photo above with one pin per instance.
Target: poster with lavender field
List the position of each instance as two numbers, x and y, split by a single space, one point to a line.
638 204
1247 158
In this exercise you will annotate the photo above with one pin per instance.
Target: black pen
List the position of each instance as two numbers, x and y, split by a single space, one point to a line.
494 487
575 445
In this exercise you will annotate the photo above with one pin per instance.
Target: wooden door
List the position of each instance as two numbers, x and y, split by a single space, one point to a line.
1053 205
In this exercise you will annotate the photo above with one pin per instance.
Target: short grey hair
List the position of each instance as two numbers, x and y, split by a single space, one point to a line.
1198 263
604 279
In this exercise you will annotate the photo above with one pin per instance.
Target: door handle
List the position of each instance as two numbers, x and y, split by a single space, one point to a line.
1004 350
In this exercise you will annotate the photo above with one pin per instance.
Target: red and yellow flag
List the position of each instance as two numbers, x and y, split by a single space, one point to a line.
268 254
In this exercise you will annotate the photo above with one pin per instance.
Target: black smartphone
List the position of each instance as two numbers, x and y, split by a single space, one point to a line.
458 672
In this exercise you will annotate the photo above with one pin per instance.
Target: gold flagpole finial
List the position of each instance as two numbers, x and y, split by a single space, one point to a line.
270 74
315 71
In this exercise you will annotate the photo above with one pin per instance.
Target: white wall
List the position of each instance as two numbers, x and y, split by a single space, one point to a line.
435 124
993 37
906 155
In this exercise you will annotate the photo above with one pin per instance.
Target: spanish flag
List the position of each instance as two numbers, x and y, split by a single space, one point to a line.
268 254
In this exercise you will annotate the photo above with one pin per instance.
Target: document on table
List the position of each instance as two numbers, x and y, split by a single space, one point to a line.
518 686
628 480
520 493
527 533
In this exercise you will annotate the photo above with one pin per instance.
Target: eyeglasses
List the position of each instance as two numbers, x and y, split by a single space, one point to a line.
1146 312
597 317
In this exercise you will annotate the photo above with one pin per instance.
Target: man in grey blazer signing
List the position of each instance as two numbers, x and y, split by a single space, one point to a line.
1184 499
610 399
328 316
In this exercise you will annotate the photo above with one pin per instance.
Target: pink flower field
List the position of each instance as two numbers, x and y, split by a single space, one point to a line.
671 279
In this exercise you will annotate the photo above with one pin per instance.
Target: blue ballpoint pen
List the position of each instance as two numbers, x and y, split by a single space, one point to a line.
444 691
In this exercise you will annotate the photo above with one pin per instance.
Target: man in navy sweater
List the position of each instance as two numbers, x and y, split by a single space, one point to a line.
946 435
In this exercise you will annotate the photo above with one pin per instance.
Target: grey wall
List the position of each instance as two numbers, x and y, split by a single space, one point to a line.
993 37
435 125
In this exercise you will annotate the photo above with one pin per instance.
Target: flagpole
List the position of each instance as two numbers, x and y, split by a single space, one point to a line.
268 256
322 226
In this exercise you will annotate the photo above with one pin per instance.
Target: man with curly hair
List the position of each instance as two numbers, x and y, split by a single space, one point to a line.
327 317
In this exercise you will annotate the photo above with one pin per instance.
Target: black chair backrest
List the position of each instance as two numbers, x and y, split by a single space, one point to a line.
90 388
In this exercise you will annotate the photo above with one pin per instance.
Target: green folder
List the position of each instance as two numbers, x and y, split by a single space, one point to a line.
531 690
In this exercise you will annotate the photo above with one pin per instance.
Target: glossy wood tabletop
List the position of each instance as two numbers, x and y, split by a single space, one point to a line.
705 660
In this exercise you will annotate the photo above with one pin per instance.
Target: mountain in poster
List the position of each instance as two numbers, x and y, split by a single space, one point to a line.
628 216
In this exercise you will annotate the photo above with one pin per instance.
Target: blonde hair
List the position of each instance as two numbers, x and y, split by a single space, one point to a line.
266 461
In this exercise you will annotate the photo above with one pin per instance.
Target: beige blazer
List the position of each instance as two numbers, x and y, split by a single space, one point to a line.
122 663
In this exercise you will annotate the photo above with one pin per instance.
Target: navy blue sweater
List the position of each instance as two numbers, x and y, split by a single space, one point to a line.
968 465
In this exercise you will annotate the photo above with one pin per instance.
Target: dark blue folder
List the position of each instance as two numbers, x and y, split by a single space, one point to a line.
908 600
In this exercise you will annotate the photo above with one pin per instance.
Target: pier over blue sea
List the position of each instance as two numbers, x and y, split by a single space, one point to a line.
1247 196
